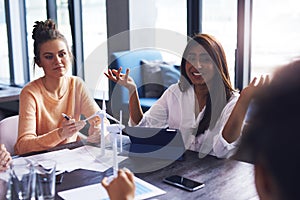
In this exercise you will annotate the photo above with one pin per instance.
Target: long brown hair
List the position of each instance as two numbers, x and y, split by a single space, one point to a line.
217 97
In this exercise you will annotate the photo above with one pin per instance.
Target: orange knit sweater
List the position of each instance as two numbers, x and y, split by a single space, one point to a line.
40 115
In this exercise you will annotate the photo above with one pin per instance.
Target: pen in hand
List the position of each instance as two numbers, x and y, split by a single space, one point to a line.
66 116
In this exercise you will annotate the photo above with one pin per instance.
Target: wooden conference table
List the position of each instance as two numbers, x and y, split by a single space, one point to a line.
224 179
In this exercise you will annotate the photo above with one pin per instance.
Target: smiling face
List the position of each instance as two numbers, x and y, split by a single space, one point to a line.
199 66
54 58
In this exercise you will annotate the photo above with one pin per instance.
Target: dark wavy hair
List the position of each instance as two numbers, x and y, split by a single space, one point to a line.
218 97
44 31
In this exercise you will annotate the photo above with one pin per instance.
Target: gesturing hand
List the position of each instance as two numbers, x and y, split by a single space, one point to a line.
252 89
122 79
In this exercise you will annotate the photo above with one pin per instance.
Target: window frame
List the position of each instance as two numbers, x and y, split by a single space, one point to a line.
19 53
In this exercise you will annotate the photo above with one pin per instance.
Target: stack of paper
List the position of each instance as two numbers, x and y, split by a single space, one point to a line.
85 157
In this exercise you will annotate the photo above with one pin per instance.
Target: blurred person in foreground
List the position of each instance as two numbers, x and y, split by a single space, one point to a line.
271 140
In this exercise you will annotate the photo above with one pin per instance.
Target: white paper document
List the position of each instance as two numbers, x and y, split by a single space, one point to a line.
144 190
85 157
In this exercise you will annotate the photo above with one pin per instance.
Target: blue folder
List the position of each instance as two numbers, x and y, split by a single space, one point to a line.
155 142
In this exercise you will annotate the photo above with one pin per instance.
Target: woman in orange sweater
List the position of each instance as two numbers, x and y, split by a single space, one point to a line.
42 101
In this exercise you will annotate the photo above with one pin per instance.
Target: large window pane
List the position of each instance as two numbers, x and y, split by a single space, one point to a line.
168 21
35 11
63 23
167 14
4 64
220 20
275 34
95 46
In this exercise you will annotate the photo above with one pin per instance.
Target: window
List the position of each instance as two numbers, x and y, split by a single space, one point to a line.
165 24
63 23
94 35
95 46
35 11
275 34
220 20
4 60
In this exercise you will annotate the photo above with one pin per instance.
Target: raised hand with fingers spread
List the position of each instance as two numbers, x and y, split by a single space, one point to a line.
234 125
122 79
135 109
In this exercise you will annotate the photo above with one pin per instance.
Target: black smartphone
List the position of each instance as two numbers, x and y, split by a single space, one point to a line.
184 183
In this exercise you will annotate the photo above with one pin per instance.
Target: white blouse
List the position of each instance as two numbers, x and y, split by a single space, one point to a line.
176 109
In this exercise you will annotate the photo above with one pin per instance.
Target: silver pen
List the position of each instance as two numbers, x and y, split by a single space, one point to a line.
66 116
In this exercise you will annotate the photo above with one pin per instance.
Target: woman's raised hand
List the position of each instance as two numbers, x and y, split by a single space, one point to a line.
249 92
121 79
233 127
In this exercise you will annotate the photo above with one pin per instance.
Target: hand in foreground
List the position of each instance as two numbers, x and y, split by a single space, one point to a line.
122 79
5 158
70 127
122 187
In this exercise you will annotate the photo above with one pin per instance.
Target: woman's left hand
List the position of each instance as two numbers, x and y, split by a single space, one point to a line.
249 92
234 124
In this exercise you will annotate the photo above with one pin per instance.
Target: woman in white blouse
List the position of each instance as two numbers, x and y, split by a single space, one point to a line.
200 104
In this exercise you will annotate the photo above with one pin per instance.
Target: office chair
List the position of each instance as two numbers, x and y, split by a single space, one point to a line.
9 132
150 84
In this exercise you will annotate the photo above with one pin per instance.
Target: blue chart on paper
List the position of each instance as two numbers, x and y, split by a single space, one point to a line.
140 190
143 190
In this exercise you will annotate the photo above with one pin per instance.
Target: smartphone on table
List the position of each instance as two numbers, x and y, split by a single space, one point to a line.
184 183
